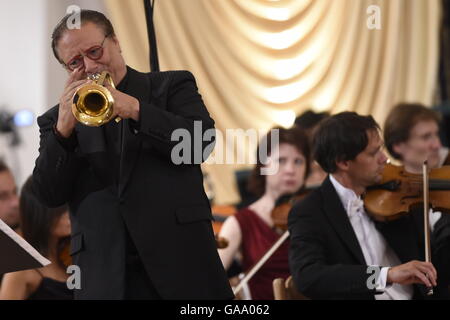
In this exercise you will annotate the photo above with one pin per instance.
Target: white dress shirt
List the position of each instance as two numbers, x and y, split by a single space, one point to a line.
443 154
376 250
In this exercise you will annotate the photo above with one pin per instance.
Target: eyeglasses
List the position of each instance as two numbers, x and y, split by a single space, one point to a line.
93 53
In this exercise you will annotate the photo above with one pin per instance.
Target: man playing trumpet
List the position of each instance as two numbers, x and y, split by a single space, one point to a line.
141 224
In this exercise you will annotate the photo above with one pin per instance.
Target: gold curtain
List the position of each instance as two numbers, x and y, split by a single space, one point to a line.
254 59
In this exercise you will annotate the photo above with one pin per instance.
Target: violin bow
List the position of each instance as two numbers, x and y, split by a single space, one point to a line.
261 262
426 219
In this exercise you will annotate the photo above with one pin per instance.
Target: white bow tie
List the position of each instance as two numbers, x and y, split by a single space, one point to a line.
355 207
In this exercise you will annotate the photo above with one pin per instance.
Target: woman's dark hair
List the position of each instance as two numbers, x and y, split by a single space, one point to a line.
3 166
293 136
309 119
402 118
95 17
36 220
340 138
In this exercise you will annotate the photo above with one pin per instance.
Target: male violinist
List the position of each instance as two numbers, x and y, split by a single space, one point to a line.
337 251
411 135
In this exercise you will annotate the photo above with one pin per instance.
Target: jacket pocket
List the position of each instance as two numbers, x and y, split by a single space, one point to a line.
192 214
76 243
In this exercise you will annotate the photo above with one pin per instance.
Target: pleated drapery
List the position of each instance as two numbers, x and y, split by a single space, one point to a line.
257 62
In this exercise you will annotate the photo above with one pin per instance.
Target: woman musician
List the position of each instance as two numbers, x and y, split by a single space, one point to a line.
251 231
48 231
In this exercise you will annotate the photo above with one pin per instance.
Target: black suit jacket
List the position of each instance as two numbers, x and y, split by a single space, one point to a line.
325 257
162 205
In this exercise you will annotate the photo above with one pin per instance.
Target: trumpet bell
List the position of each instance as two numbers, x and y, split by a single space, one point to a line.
92 104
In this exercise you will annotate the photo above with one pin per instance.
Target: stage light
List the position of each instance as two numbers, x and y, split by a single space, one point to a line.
23 118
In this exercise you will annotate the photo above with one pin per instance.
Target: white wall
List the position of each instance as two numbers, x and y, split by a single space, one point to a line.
22 85
30 78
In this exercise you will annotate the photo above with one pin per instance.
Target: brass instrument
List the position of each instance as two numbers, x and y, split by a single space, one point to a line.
92 104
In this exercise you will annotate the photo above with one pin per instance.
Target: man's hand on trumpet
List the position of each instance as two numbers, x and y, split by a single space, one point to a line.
125 106
66 120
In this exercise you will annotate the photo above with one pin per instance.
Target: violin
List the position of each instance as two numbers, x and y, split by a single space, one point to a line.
279 216
282 208
220 213
64 257
221 242
400 190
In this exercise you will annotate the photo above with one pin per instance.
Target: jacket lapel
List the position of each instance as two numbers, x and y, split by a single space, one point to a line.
337 215
138 87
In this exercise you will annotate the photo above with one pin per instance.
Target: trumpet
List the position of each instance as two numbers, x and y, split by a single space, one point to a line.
92 104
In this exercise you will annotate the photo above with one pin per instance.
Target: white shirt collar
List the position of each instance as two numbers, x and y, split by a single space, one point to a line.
348 197
374 247
443 153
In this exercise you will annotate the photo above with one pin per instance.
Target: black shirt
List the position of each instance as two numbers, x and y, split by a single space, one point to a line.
114 137
51 289
113 132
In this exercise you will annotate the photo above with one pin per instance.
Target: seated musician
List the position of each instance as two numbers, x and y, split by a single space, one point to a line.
411 135
251 231
46 230
309 121
337 251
